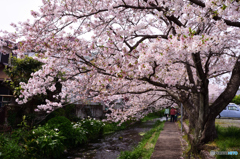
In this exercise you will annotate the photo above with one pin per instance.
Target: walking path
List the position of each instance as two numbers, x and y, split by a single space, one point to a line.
168 145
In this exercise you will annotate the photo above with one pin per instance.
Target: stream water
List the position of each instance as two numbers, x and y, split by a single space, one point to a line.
110 146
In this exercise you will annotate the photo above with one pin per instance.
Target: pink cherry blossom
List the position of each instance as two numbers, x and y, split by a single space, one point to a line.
141 50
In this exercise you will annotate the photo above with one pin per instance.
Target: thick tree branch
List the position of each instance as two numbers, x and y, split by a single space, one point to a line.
144 37
228 22
190 74
198 65
198 2
208 63
218 73
154 70
140 92
227 95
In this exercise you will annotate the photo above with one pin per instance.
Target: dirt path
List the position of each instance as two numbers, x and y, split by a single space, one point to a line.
168 145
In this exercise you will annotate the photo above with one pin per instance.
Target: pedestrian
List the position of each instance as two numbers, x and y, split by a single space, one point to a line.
172 113
176 114
166 112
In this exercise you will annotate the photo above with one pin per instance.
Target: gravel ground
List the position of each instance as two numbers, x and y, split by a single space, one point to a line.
225 122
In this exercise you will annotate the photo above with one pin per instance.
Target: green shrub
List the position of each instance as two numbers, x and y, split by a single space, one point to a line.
236 99
67 111
19 135
12 145
75 133
45 142
153 115
112 127
70 112
93 127
12 116
10 148
79 134
62 123
64 126
161 112
55 113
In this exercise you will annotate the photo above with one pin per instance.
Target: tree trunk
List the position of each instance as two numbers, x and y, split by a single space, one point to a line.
209 132
203 134
201 114
201 121
185 114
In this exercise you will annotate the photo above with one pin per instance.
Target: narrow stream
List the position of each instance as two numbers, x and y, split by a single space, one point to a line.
110 146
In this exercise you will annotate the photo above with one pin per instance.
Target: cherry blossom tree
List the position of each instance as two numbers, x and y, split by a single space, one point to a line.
153 53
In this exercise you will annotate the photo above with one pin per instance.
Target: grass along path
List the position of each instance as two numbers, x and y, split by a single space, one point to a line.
228 139
145 148
150 145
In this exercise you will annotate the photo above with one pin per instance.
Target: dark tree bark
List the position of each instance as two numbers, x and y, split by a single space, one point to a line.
201 114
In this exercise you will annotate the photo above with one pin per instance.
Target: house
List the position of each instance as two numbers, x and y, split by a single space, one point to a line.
5 93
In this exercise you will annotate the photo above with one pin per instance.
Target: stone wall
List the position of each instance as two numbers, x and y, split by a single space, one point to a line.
93 111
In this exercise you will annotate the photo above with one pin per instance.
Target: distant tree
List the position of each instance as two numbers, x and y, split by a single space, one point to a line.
20 70
236 99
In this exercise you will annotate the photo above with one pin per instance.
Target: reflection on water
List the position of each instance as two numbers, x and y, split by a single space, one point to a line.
110 146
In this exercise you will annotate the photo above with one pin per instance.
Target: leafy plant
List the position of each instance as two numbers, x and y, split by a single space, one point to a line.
10 148
61 122
45 141
153 115
79 134
236 99
12 116
22 132
112 127
70 112
64 126
67 111
20 71
93 127
74 133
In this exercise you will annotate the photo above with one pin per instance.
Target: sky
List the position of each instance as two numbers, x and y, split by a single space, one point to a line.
13 11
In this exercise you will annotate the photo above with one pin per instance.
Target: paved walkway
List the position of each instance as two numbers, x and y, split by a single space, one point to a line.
168 145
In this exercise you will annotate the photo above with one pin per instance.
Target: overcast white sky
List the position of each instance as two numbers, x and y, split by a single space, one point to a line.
15 11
